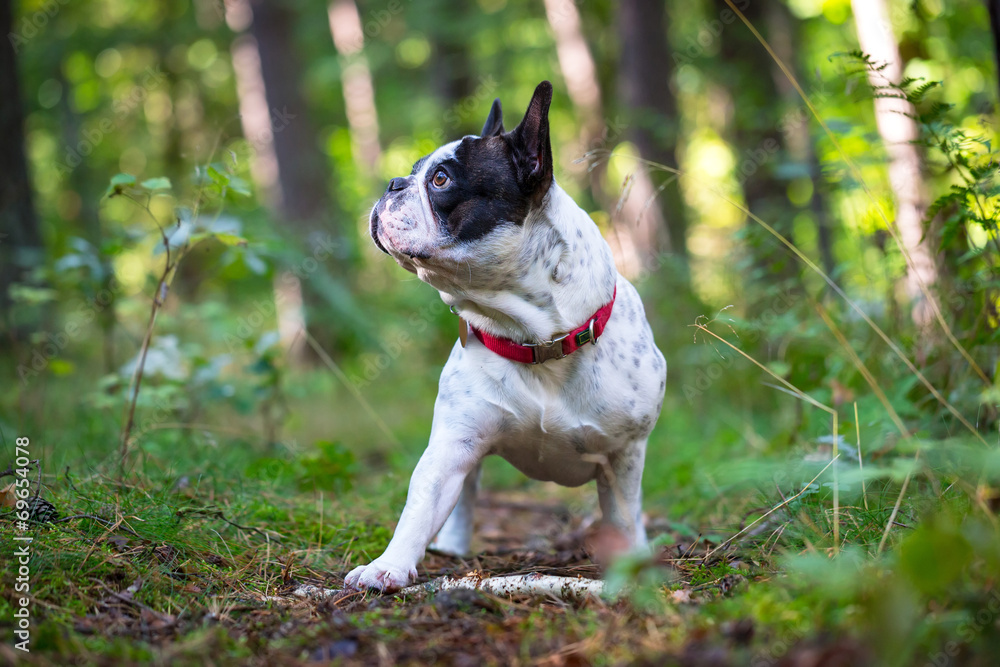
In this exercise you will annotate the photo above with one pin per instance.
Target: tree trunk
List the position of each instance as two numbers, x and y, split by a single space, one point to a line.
795 128
81 181
898 130
635 225
359 91
994 7
20 238
287 165
645 70
757 135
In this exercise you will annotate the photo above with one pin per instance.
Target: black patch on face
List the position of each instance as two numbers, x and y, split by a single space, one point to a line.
494 179
482 192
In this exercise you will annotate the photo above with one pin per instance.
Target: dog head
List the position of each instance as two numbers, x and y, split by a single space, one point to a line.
463 208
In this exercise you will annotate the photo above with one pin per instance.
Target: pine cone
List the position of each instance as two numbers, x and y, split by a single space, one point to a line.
41 511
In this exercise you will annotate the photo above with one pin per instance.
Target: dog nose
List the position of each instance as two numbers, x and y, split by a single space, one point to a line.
397 184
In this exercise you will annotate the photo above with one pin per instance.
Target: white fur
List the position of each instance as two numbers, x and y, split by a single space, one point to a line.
584 417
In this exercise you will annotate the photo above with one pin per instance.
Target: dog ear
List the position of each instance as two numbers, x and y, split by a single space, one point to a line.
494 122
530 143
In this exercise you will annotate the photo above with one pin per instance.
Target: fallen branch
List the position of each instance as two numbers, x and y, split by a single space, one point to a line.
574 589
570 589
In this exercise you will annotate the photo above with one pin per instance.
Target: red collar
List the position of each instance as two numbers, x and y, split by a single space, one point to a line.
557 348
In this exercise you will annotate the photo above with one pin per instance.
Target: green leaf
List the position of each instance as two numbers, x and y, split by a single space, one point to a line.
254 263
158 183
218 177
230 239
30 295
239 186
118 184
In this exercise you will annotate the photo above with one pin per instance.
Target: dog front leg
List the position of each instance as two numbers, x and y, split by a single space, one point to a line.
456 535
434 489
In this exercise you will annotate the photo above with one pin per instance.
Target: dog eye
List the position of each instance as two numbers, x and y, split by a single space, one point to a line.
440 179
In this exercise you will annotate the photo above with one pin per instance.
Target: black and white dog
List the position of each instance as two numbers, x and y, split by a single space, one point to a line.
483 221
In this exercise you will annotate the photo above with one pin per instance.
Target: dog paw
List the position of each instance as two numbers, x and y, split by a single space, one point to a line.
380 576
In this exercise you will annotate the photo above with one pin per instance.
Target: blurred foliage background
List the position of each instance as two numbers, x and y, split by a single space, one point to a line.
277 124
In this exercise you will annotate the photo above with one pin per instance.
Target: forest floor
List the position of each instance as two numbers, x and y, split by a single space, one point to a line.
104 595
201 552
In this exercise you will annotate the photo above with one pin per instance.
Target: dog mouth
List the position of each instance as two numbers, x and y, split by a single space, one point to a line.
402 254
373 230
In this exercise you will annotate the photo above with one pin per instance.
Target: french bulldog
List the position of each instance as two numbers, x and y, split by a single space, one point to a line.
561 376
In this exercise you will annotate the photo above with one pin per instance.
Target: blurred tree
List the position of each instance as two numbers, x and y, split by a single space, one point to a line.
356 78
453 74
577 65
899 131
287 165
802 159
636 221
83 181
749 76
20 238
994 7
645 71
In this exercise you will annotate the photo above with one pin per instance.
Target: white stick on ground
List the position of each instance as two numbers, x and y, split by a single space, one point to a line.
570 589
565 588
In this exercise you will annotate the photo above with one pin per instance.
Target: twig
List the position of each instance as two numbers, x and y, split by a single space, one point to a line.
128 599
219 515
11 471
861 464
571 589
895 508
69 481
